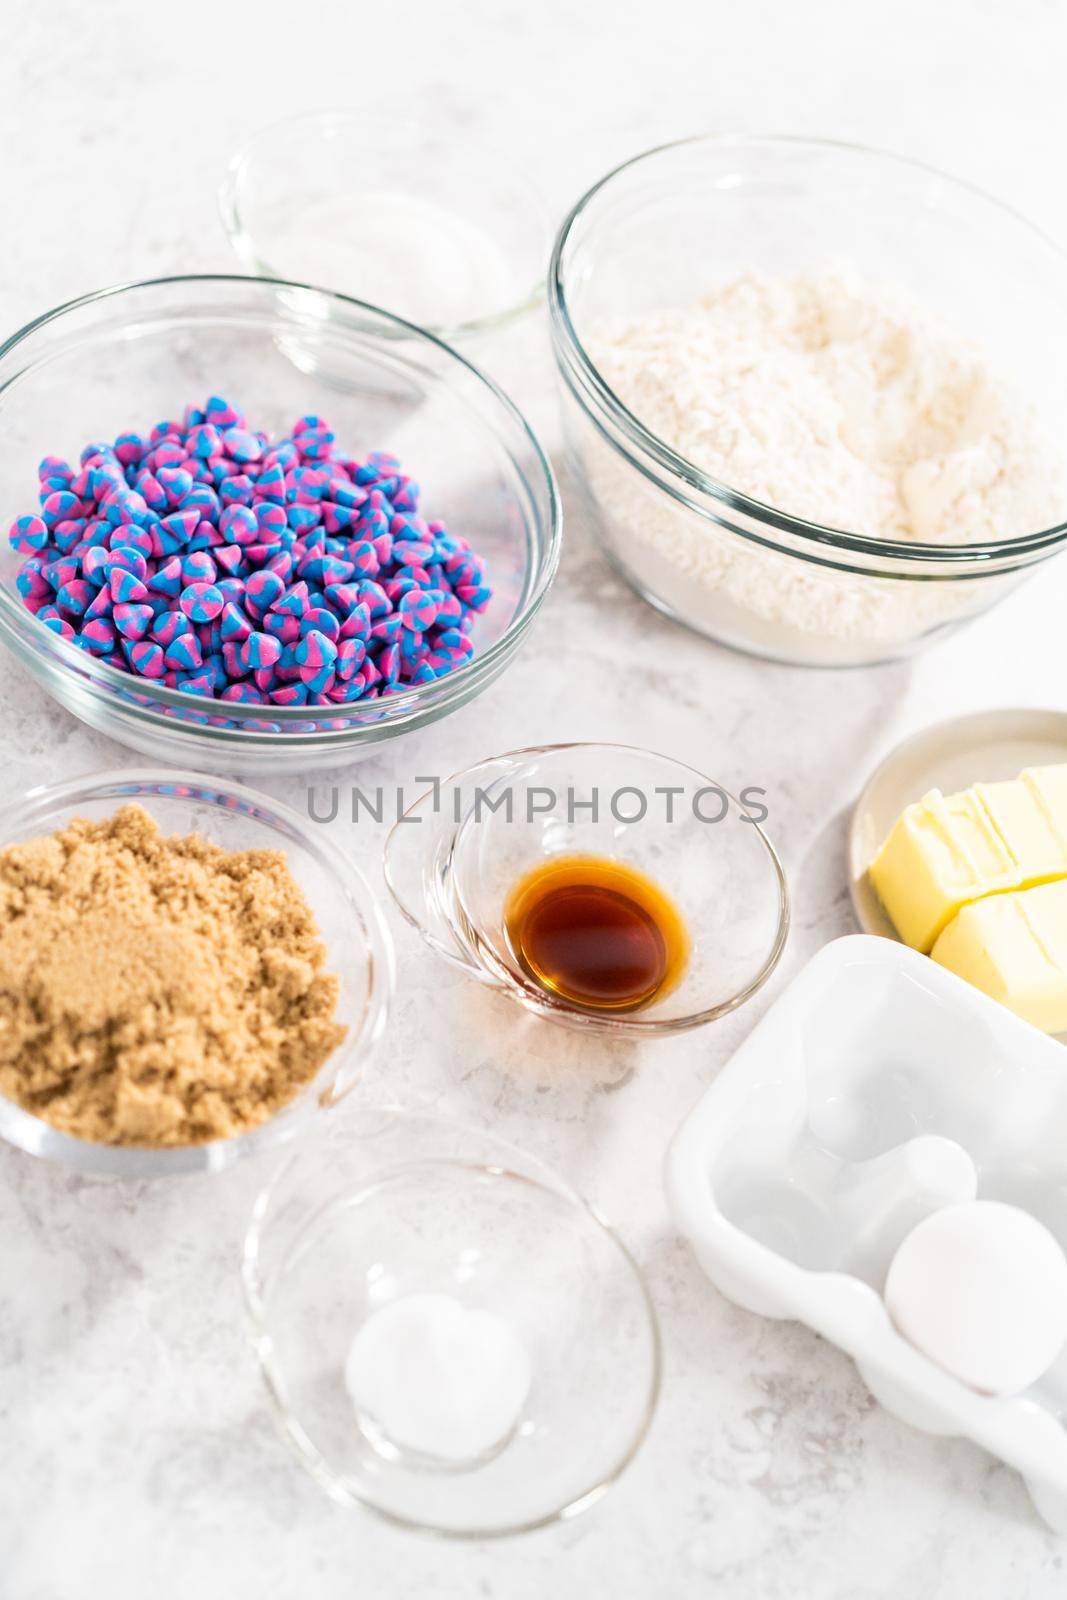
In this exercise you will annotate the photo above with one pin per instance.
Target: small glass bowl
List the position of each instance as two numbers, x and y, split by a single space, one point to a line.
359 949
389 1203
488 826
125 357
660 231
322 157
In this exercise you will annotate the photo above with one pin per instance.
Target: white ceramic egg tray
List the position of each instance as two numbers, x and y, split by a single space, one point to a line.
876 1089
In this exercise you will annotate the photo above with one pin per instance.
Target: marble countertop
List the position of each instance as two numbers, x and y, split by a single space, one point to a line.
139 1456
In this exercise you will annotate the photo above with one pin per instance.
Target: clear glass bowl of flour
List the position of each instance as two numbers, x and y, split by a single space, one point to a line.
450 1336
437 230
680 222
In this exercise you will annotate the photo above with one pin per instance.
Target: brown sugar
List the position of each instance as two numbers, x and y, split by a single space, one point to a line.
156 990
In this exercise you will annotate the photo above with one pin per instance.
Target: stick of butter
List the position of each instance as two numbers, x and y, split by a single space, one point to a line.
1014 948
944 852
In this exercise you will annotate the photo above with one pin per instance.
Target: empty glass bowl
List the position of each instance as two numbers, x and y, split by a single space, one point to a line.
389 1204
487 827
443 233
359 949
666 227
126 357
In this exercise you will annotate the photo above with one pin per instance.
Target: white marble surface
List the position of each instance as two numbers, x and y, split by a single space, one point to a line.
138 1455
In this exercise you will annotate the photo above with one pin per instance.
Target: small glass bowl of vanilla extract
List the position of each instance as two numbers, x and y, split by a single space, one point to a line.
596 933
601 886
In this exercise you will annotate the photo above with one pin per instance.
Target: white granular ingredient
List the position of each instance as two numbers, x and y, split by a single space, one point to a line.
434 1376
413 257
835 401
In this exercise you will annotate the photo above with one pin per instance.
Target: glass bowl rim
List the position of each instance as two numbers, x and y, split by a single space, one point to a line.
36 1136
572 355
244 243
548 1179
530 994
119 684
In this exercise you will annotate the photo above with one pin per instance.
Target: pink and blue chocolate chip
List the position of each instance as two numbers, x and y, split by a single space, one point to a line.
220 562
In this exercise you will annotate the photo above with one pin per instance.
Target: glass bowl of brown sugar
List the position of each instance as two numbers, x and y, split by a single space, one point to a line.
203 972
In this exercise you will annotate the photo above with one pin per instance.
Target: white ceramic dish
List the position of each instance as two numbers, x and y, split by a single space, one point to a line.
982 747
876 1089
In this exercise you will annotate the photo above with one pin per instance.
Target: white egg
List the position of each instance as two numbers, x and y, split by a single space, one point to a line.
981 1288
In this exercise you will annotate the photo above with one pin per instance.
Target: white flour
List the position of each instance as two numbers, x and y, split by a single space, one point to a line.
835 401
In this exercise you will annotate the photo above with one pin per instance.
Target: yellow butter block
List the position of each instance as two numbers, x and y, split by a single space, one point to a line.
946 851
1014 948
1021 813
1048 785
941 853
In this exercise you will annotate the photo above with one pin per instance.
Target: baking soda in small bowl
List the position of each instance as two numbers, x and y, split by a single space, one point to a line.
432 1377
419 260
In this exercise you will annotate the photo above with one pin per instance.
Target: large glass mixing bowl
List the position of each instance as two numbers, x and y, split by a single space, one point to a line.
126 357
664 229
